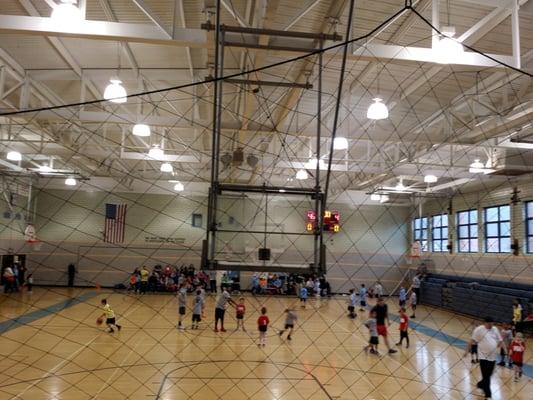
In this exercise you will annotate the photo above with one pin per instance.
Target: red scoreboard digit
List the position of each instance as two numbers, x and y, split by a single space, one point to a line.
331 221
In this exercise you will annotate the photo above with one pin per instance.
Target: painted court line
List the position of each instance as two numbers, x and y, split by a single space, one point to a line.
33 316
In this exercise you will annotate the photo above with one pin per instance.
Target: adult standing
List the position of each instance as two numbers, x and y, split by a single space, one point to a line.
378 289
22 275
382 320
488 340
416 286
212 281
220 308
71 271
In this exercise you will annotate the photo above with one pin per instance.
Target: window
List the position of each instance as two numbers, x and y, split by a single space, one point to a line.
498 229
439 233
420 232
529 226
467 231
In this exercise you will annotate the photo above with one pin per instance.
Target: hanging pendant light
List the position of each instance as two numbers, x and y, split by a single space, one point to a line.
166 167
156 153
66 14
448 50
430 179
178 187
377 110
301 174
141 130
340 143
14 156
476 167
375 197
115 92
70 182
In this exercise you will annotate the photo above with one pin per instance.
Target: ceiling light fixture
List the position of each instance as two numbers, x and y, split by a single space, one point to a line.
141 130
14 156
115 92
375 197
400 187
448 50
45 168
156 153
70 182
377 110
66 13
301 174
384 198
340 143
166 167
430 179
476 167
178 187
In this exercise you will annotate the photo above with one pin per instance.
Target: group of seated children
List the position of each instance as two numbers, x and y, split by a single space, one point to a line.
166 279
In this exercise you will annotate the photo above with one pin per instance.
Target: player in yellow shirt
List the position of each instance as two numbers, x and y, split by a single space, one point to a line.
109 314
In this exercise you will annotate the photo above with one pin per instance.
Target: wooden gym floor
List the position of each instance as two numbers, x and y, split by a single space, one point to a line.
50 348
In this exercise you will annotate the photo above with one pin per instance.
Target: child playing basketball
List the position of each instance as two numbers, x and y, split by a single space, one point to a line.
362 297
240 309
404 327
262 326
516 353
109 314
413 301
373 342
351 304
402 297
290 320
197 309
182 303
303 296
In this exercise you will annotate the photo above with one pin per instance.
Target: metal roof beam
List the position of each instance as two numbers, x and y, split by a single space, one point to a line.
103 30
153 17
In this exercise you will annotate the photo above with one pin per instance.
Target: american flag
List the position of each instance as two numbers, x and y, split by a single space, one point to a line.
115 221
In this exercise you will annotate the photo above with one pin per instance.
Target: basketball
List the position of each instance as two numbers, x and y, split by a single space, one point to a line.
99 321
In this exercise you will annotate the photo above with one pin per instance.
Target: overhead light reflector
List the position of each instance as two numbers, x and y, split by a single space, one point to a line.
141 130
66 14
115 92
430 179
375 197
340 143
178 187
14 156
301 175
70 182
476 167
156 153
377 110
166 167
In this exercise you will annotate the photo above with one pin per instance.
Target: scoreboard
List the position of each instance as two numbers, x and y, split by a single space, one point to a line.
332 220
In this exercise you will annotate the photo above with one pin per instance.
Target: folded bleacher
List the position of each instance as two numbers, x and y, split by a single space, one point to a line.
475 297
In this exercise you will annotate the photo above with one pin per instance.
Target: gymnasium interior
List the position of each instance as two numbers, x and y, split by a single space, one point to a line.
260 145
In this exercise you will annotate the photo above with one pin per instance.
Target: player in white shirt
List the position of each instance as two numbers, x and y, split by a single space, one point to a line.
489 341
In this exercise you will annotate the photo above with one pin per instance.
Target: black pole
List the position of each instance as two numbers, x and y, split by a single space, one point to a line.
339 95
213 191
319 229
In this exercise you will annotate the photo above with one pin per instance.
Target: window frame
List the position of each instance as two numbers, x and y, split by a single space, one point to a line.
469 224
499 236
443 240
419 238
529 234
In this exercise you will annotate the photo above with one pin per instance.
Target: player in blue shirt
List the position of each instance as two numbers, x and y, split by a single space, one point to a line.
402 296
362 297
303 296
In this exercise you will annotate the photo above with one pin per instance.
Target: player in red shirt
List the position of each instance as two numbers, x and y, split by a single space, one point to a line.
516 352
404 327
262 325
240 309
